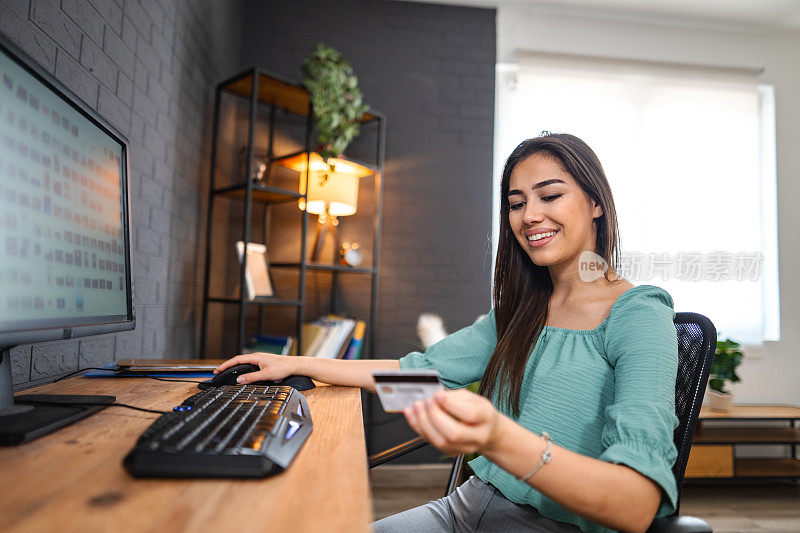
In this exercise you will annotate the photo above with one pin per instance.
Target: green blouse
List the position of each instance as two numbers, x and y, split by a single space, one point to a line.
607 392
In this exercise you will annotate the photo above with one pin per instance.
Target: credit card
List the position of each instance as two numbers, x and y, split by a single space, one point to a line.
397 389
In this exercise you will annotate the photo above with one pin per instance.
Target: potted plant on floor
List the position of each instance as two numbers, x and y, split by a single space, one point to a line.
723 368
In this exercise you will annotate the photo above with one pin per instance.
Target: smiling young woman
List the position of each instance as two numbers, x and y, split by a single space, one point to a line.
575 414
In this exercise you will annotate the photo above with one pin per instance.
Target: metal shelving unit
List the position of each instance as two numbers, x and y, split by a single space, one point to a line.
262 88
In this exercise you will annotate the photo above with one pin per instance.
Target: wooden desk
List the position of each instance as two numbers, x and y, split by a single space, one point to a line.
73 479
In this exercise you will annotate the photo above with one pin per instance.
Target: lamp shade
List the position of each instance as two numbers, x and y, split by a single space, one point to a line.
335 190
332 185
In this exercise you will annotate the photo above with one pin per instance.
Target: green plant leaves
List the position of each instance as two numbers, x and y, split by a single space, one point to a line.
723 367
335 97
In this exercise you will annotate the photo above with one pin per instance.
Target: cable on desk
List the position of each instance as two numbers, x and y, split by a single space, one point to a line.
78 372
125 405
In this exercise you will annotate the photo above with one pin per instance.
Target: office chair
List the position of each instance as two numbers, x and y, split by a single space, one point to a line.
697 342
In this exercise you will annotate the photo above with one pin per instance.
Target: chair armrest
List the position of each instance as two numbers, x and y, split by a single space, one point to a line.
679 524
395 452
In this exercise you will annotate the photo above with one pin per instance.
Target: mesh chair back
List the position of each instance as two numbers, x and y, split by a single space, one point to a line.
697 342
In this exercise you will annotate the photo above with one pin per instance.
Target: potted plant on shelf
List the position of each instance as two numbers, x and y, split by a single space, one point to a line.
335 97
332 181
723 368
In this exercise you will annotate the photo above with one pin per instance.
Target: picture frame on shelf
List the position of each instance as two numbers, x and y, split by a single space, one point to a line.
258 279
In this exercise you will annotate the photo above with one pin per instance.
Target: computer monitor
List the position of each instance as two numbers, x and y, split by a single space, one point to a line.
65 254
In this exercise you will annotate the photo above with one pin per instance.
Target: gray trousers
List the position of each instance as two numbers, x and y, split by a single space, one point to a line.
474 506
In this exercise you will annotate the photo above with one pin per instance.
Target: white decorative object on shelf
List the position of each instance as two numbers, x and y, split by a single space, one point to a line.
257 278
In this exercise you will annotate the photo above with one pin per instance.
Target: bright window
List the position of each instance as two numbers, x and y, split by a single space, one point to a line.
689 153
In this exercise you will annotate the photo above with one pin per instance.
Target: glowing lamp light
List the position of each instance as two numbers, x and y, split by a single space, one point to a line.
332 190
332 186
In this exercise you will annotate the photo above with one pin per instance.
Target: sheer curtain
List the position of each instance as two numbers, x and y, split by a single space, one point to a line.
689 153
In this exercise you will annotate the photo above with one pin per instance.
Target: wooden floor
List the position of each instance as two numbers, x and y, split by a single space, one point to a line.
744 507
727 508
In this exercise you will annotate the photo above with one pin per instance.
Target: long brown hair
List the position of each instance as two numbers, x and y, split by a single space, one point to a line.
522 289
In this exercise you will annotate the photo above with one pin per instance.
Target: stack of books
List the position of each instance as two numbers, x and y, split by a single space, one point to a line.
330 337
334 337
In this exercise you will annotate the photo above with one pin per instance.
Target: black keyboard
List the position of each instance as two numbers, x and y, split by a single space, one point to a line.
230 431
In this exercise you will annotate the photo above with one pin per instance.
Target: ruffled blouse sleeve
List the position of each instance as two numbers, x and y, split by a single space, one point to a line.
461 357
642 347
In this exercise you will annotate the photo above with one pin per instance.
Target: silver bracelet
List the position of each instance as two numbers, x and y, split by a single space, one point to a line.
546 456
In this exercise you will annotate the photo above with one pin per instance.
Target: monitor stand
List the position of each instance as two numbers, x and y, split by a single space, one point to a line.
29 416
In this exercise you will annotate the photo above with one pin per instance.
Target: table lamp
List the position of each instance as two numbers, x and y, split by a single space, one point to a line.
332 191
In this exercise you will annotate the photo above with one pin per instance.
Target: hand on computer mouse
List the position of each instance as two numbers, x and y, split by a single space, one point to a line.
271 367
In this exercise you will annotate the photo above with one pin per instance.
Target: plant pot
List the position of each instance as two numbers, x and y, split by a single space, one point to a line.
719 401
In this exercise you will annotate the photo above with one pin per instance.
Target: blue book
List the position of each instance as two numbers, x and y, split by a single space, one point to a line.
357 342
270 344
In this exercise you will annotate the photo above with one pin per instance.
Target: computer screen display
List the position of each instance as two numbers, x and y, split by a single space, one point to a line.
64 243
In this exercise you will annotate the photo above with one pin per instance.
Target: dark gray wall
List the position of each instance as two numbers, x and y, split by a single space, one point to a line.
430 70
149 67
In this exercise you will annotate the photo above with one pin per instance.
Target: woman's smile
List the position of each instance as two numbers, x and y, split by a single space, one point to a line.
537 239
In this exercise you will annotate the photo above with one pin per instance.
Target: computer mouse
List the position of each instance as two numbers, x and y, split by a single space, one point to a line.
229 375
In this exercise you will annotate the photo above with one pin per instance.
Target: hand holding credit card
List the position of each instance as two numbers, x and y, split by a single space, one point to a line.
398 389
